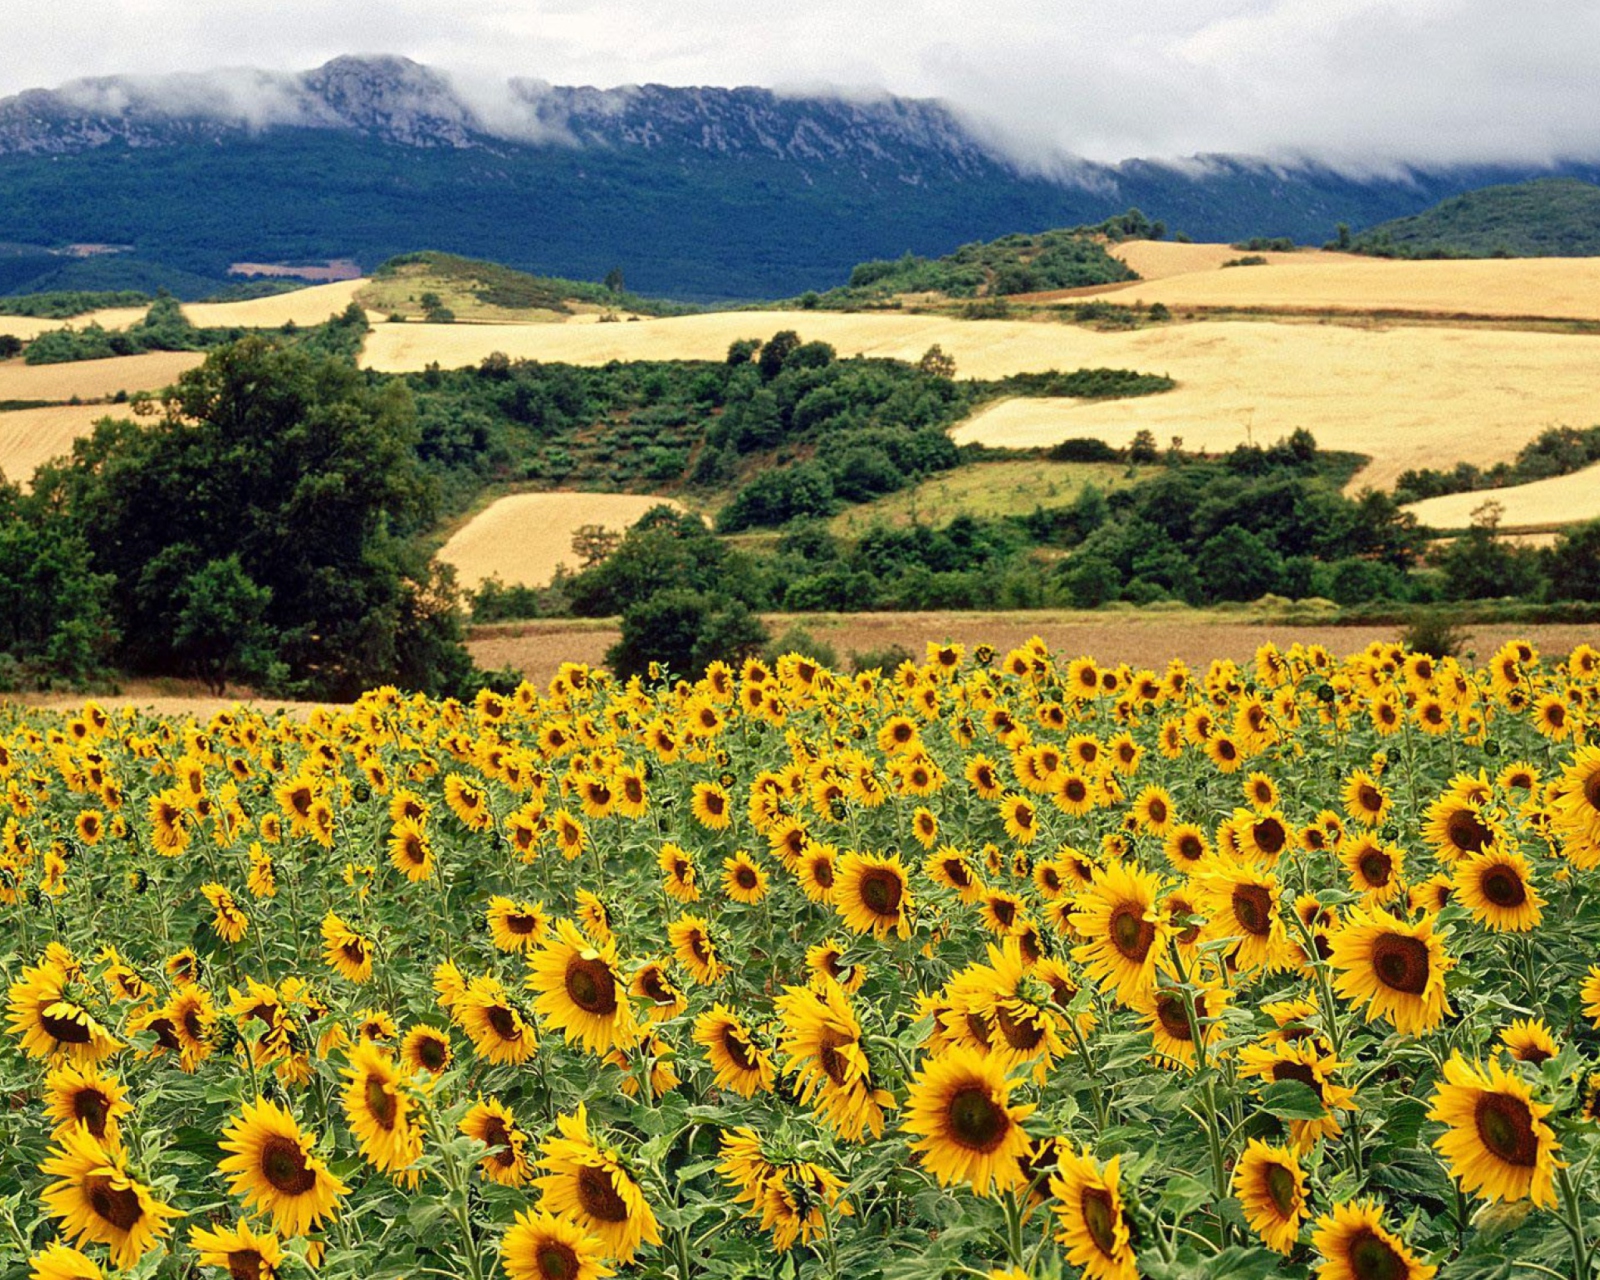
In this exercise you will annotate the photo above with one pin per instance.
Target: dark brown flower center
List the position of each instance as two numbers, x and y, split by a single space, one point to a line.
1270 835
1005 910
93 1108
881 890
503 1021
1376 867
1503 887
66 1030
1591 788
1298 1071
497 1138
599 1197
1130 933
246 1264
745 877
117 1205
1252 907
555 1260
432 1054
1401 963
1278 1182
1505 1126
737 1047
1370 798
1372 1258
1075 790
976 1120
1100 1219
382 1104
522 922
591 986
1025 1033
831 1060
283 1165
1466 832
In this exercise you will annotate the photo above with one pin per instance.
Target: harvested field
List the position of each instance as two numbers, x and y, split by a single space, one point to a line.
1161 259
1540 503
303 306
1407 396
94 379
29 437
983 489
1140 639
1553 288
29 327
523 538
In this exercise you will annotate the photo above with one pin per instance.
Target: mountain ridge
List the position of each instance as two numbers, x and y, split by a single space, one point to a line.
701 194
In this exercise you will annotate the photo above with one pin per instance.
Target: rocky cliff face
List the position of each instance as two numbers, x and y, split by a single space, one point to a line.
398 101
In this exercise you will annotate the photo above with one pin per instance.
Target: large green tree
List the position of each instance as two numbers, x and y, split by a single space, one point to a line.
298 472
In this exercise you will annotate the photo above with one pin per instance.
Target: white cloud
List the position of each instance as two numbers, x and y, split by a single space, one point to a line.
1362 83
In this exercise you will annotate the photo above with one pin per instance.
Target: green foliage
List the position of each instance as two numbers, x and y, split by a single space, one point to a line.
64 305
684 631
1432 632
1480 566
1249 260
280 489
10 345
495 285
796 639
1544 217
1087 384
1061 259
1266 244
1573 564
1557 451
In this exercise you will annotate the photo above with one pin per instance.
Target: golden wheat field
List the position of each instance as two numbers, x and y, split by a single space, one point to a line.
94 379
307 306
1160 259
1555 288
1556 500
523 538
29 437
29 327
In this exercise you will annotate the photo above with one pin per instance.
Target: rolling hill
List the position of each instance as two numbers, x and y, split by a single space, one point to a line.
1541 218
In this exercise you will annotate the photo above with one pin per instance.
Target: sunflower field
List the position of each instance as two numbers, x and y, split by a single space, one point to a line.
1003 966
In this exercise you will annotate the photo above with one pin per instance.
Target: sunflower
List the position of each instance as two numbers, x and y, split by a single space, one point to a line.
1166 1017
652 984
581 990
229 923
950 867
815 870
410 851
1186 847
59 1261
737 1061
1153 811
694 949
1577 807
86 1096
516 926
1497 887
872 894
1020 817
469 802
192 1016
1353 1245
427 1049
93 1198
1375 869
1241 901
678 870
590 1187
742 879
958 1105
1092 1223
1457 826
491 1123
1396 968
50 1024
1364 800
1497 1142
1267 1181
822 1042
1073 792
825 960
345 950
378 1109
497 1027
241 1252
273 1170
711 806
1529 1040
1117 915
1307 1060
541 1246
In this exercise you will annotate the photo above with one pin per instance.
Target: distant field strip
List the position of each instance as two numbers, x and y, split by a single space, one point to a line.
29 437
1160 259
1558 500
94 379
30 327
1558 288
302 306
521 539
1408 397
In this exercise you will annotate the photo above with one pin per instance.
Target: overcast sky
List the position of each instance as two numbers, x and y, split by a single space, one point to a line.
1356 82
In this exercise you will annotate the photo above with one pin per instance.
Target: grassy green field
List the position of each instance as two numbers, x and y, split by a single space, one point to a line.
1007 487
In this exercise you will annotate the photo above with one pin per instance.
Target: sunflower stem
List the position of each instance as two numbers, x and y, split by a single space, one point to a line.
1013 1212
1572 1219
1102 1115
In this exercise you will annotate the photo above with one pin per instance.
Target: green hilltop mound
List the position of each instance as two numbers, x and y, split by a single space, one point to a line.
1064 258
1542 218
446 286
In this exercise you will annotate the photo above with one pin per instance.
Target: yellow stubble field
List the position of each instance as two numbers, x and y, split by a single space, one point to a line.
522 539
1540 503
93 379
29 437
